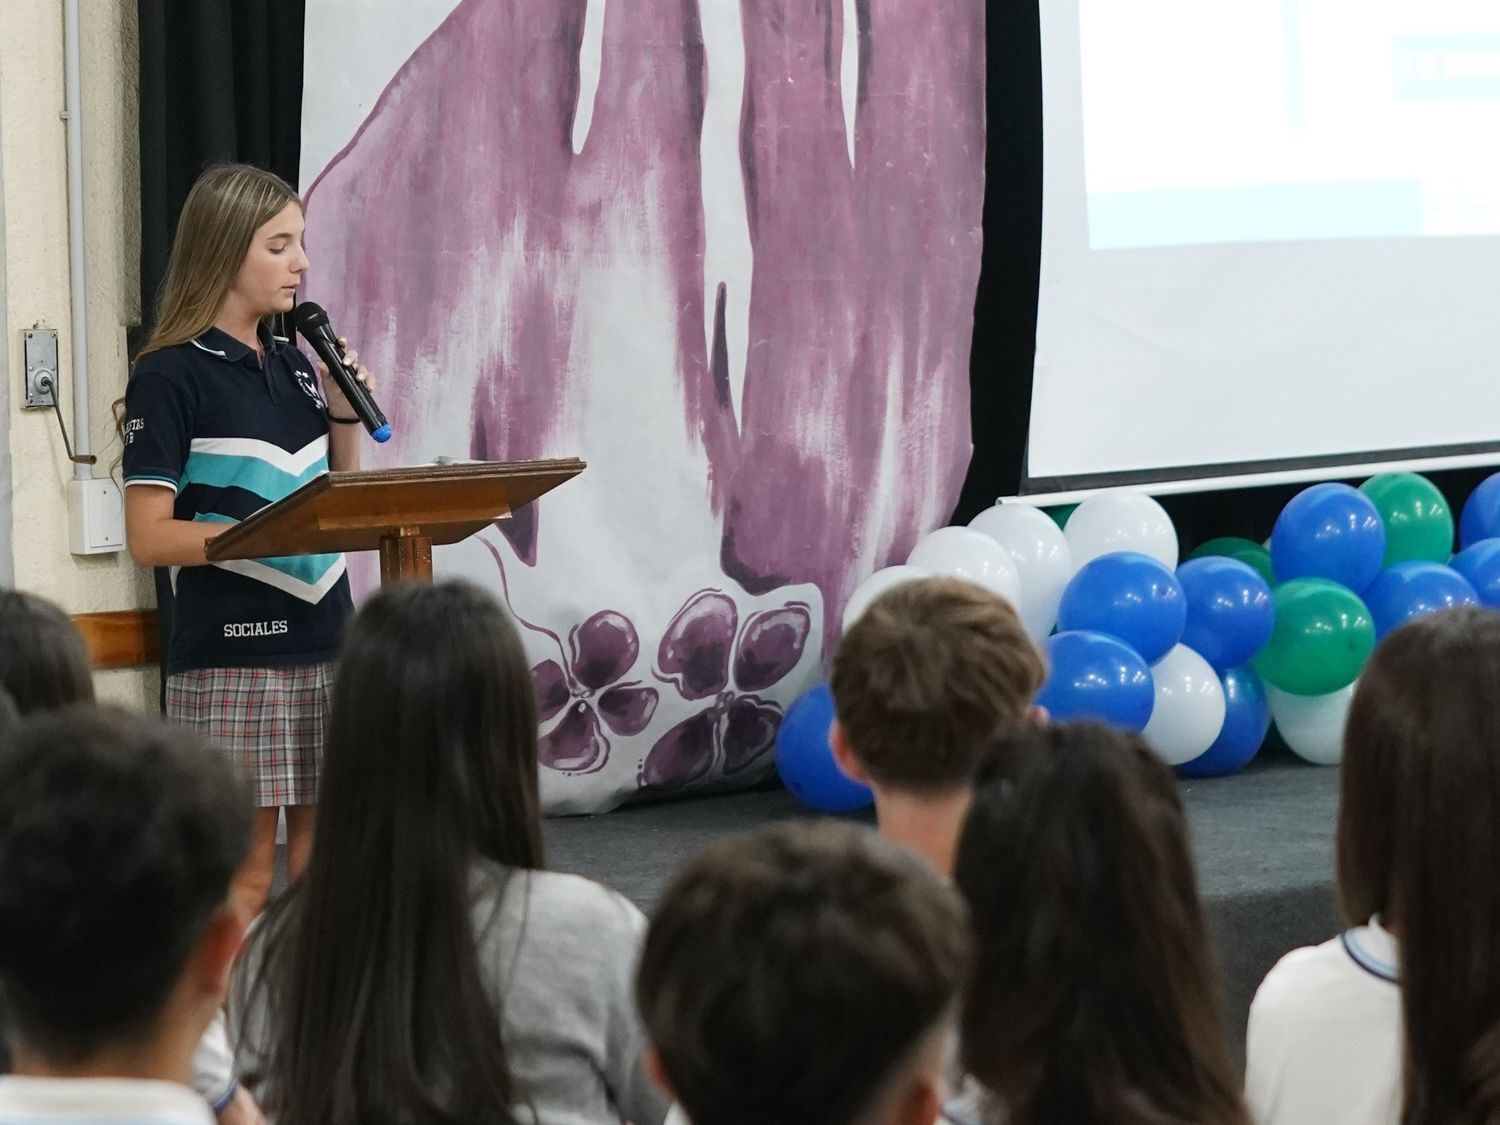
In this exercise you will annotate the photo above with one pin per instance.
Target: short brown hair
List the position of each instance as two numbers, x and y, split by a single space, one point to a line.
120 835
790 972
925 681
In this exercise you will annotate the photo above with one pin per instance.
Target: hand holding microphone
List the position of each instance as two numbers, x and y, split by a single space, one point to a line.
312 322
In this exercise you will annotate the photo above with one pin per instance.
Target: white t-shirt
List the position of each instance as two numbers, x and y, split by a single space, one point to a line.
1324 1041
99 1101
213 1066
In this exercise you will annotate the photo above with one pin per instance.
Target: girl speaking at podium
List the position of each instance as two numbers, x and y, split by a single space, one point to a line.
220 419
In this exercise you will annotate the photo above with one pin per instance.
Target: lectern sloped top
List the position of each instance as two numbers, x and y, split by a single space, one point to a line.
355 511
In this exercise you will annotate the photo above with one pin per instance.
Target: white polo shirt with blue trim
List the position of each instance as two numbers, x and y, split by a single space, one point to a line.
1324 1043
228 437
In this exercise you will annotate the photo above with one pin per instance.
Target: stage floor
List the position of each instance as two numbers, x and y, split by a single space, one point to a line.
1263 840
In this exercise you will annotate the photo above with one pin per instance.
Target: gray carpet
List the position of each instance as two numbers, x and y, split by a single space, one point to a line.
1263 838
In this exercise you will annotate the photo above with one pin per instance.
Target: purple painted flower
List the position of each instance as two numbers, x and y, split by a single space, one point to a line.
585 688
708 655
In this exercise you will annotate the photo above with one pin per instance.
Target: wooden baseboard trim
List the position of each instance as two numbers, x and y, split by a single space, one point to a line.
124 639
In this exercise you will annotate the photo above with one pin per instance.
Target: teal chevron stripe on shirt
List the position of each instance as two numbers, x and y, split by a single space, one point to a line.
304 568
224 470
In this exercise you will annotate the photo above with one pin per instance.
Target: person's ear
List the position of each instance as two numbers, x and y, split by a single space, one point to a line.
1039 715
920 1104
652 1064
217 948
843 753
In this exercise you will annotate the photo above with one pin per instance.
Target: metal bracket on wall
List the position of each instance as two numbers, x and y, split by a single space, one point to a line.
41 368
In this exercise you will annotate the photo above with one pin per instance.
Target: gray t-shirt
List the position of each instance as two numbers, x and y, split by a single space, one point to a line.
561 951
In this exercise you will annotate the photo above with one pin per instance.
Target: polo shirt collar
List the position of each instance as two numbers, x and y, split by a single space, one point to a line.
1373 948
219 343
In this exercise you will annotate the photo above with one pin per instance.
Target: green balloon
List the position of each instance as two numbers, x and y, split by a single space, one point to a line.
1322 638
1061 514
1418 521
1252 554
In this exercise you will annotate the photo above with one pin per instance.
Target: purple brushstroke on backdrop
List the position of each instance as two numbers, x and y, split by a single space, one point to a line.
446 240
863 279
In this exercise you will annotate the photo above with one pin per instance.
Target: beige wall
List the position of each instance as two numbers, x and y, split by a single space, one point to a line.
34 163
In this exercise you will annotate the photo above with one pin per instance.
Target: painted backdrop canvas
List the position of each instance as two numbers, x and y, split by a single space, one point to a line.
724 250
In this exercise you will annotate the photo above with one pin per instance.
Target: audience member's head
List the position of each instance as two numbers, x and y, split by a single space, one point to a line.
432 737
369 962
804 973
43 661
1094 997
1419 845
10 721
119 836
10 716
926 680
926 684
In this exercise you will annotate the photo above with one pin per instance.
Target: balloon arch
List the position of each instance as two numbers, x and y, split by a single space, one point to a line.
1200 657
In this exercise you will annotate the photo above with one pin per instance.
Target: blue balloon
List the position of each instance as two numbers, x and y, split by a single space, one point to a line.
1130 596
1230 613
805 760
1247 719
1412 589
1480 518
1480 564
1094 676
1329 531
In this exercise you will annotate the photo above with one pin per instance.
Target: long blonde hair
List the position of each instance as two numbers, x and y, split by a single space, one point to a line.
222 213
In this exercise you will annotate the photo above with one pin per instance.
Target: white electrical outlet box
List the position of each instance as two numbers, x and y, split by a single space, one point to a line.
96 517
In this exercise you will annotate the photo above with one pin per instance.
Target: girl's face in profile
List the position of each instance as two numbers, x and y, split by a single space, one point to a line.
273 266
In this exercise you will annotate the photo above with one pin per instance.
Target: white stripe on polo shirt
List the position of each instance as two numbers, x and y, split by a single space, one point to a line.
293 464
99 1101
152 482
310 592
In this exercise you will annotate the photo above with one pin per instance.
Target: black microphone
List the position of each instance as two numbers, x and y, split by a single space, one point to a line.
312 322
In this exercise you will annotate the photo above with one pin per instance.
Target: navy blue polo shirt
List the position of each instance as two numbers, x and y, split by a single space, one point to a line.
229 437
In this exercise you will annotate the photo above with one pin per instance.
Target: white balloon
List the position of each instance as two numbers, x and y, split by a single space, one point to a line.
875 585
970 555
1312 725
1043 560
1189 711
1121 520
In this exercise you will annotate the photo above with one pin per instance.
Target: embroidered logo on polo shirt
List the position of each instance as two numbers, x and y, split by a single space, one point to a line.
309 385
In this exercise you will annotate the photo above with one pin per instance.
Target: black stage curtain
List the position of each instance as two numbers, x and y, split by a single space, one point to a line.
1005 306
220 80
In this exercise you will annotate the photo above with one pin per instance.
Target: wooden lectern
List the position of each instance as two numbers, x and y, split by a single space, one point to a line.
401 513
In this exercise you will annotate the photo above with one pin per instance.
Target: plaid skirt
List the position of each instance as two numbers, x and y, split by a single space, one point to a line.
269 720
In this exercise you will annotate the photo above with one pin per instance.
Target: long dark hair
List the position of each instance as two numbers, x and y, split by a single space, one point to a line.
1419 844
43 661
377 1009
1094 999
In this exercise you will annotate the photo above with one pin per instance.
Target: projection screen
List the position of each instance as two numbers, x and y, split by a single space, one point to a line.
1268 241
